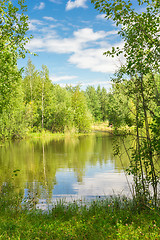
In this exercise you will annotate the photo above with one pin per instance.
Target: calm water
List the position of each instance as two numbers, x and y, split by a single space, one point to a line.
72 168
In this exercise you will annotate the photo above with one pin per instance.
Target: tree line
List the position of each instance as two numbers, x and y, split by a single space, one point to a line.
35 103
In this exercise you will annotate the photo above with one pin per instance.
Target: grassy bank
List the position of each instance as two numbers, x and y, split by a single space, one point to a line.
45 134
105 219
104 127
97 126
56 135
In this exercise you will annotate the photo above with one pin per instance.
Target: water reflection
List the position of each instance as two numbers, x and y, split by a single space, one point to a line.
73 168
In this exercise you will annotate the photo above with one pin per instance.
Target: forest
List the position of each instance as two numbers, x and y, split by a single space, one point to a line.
34 103
30 102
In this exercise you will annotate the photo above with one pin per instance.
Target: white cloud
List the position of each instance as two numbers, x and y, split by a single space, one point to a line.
85 49
62 45
40 6
113 32
101 16
104 184
42 27
76 4
50 19
56 1
36 44
35 21
32 27
33 24
94 60
87 34
80 39
93 83
62 78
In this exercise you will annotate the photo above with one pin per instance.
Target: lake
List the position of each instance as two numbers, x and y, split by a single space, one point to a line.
46 170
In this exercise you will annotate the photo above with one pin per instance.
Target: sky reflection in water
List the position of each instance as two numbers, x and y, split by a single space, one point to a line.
73 168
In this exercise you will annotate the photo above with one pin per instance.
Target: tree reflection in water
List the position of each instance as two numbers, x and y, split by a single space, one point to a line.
72 167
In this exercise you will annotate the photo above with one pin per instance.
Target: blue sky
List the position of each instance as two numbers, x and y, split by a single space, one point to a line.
70 38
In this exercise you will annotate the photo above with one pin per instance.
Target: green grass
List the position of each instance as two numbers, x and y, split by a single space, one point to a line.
47 135
104 127
112 218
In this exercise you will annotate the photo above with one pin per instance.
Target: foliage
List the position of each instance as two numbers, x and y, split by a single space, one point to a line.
103 96
82 116
52 107
113 106
140 32
93 102
119 107
59 114
13 27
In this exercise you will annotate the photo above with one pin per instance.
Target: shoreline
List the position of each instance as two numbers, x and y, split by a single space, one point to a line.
96 127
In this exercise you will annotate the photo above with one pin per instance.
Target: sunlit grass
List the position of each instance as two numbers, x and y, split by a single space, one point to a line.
113 218
44 134
105 127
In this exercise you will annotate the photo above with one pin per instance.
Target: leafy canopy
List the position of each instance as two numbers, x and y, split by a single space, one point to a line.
13 27
140 32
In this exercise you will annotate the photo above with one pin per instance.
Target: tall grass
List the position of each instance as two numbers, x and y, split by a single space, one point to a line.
110 218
